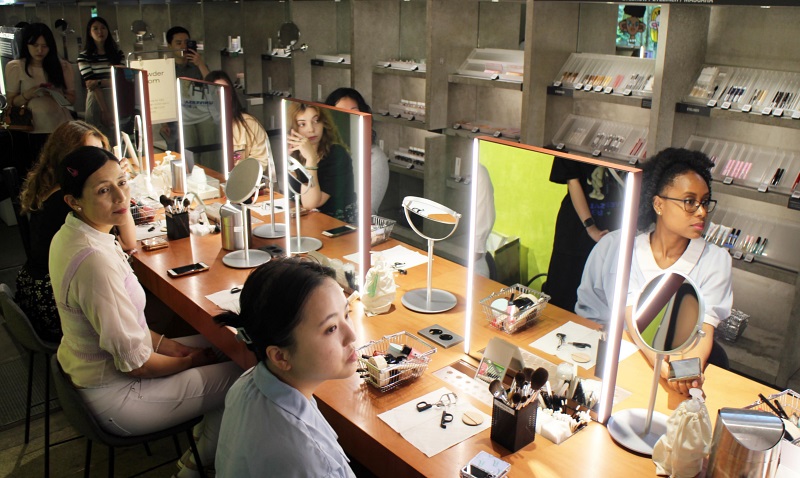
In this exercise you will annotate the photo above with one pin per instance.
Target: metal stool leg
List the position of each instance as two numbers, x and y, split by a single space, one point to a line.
88 463
196 453
47 419
111 462
177 446
28 401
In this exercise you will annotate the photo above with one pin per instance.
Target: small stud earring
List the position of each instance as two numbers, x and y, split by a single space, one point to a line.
658 212
79 209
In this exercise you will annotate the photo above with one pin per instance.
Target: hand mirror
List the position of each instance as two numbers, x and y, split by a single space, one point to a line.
667 319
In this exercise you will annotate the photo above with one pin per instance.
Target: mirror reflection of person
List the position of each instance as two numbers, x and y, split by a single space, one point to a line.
249 137
350 99
315 142
674 206
591 208
95 66
272 421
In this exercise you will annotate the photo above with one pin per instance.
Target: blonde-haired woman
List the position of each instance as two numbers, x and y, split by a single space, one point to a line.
42 200
315 142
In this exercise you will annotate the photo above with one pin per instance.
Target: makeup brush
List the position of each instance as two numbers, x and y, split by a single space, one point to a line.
497 391
166 202
519 382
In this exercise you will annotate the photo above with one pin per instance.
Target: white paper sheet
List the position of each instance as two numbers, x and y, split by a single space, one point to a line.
399 257
263 208
227 300
422 429
577 333
143 231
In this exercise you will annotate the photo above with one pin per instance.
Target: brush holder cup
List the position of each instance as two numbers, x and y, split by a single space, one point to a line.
511 428
177 225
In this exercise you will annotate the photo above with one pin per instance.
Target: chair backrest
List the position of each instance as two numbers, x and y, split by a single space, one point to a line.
77 412
20 327
13 185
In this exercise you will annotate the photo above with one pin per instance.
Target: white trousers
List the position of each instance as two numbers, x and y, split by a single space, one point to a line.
139 406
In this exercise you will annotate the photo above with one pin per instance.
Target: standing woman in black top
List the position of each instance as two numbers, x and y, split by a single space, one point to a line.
95 65
314 140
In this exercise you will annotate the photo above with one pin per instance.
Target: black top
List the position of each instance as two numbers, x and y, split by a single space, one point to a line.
44 224
336 179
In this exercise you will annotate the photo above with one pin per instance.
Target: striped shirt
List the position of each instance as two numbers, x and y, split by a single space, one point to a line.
96 66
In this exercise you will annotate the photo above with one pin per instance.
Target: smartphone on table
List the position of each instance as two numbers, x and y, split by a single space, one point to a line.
339 231
187 269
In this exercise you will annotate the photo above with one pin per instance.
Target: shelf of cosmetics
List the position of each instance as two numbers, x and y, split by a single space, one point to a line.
762 168
611 139
406 109
607 74
472 128
755 238
402 65
408 158
763 92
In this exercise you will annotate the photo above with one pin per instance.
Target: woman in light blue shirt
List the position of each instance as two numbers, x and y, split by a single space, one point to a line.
295 318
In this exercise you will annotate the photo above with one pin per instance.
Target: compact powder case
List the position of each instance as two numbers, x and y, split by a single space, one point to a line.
441 336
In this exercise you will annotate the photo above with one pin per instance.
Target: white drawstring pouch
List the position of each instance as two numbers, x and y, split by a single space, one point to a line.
679 453
379 289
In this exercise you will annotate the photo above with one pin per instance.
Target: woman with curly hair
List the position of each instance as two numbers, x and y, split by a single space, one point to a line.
43 201
315 142
95 65
675 202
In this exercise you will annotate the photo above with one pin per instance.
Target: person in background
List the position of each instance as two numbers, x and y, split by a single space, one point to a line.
674 205
43 201
249 137
95 66
189 63
271 419
44 84
350 99
134 381
315 142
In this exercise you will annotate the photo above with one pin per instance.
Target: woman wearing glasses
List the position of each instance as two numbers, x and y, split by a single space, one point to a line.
673 211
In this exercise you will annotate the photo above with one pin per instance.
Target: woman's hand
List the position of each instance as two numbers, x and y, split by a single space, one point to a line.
29 94
681 386
92 84
595 233
201 357
298 142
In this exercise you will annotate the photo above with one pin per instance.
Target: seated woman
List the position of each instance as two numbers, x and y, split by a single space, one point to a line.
271 419
350 99
249 138
43 201
135 381
675 201
315 142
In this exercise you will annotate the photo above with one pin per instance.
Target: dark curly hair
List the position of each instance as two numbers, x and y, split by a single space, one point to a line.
659 172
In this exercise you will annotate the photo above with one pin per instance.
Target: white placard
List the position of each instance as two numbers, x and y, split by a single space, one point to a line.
747 108
161 84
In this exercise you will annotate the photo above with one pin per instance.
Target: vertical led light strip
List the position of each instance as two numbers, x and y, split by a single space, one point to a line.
363 214
473 202
614 333
225 111
143 111
117 126
180 129
287 211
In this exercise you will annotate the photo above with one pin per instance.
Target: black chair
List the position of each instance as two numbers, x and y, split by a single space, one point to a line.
84 421
13 184
21 330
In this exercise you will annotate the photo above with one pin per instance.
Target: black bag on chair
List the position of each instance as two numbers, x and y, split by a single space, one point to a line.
18 118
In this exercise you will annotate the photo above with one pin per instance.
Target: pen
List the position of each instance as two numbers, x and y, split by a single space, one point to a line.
763 245
796 182
780 176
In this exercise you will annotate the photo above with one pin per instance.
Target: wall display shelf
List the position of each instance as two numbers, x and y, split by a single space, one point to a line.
487 82
610 139
494 64
761 168
634 101
472 129
409 123
408 158
607 74
747 90
402 65
378 70
405 171
339 59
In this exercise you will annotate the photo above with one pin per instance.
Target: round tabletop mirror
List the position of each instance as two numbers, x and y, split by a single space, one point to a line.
668 314
432 211
288 34
243 180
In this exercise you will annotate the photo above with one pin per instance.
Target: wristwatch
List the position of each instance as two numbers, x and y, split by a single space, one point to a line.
588 223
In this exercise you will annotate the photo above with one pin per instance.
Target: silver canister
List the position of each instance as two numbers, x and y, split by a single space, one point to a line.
231 219
746 444
176 169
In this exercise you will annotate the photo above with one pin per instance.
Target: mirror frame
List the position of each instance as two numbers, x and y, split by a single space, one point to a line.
147 127
362 181
226 121
633 179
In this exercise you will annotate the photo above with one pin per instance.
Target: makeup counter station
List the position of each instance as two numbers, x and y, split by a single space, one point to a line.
351 406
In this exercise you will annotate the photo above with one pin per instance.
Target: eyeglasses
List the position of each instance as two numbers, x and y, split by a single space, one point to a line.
692 205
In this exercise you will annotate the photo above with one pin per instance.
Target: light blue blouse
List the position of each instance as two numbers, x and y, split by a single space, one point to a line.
270 429
708 265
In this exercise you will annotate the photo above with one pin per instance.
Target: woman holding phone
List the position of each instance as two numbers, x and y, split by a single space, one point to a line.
95 65
315 142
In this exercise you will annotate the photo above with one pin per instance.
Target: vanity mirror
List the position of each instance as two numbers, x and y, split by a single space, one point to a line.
512 196
243 184
328 150
204 124
668 320
132 115
288 36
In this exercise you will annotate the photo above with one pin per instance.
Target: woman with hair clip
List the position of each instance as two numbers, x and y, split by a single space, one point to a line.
314 141
95 66
272 424
350 99
674 205
249 138
35 81
43 201
134 380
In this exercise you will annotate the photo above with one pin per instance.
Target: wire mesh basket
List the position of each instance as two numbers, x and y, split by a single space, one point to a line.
392 376
512 318
733 327
144 210
381 229
789 400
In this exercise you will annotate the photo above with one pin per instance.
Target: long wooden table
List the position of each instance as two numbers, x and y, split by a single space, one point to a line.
352 406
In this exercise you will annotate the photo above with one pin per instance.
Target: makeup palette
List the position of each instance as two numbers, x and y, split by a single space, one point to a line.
607 74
